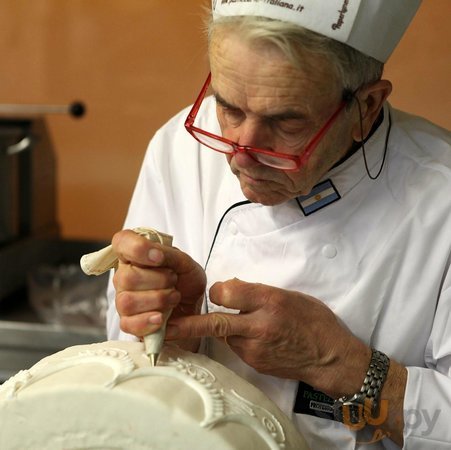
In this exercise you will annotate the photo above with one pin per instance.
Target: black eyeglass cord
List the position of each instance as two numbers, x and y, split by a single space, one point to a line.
373 177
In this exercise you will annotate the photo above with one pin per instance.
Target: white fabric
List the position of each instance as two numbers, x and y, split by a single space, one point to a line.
388 277
373 27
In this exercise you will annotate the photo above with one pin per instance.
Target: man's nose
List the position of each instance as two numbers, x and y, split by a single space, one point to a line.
253 134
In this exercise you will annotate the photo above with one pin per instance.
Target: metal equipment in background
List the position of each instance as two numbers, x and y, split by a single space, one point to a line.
30 235
28 193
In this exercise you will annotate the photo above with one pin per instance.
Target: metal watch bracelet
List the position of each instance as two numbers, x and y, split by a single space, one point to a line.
369 394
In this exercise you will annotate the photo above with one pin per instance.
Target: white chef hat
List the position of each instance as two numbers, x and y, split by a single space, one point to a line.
374 27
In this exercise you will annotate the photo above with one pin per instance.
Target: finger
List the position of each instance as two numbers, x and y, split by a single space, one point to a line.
130 277
240 295
129 303
137 250
213 324
141 324
131 247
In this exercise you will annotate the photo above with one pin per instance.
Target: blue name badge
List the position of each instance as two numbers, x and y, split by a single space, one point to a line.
321 195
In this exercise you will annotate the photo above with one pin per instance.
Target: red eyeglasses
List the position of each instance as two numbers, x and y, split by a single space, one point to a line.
269 158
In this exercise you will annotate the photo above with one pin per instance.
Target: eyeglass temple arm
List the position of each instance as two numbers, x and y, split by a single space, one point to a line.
195 109
347 98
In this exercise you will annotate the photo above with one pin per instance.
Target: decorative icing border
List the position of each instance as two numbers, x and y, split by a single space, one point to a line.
219 405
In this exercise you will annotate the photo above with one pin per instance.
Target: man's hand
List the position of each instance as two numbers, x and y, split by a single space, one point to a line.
150 280
282 333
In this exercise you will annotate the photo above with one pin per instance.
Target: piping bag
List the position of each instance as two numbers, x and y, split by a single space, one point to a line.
105 259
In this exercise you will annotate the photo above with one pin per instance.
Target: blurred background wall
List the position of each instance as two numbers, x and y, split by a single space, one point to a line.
137 62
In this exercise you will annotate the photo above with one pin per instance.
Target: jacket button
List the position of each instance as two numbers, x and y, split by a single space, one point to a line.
233 228
329 251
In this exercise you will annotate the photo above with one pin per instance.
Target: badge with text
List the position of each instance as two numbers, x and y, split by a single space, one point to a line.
312 402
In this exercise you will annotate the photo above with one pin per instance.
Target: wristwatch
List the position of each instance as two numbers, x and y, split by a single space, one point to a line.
357 408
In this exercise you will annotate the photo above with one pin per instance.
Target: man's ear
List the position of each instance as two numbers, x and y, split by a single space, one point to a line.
371 98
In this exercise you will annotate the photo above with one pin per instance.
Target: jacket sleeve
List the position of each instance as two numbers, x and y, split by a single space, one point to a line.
427 404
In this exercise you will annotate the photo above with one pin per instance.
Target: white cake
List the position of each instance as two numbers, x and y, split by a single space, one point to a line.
107 396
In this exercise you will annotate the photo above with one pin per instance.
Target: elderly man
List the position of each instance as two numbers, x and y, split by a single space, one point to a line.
313 254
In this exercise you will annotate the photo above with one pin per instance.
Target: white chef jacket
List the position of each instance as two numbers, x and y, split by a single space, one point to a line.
379 257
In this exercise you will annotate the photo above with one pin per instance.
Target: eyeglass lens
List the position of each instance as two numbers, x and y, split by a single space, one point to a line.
263 158
213 143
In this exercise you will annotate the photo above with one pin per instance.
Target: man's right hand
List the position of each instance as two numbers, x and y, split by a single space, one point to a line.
150 280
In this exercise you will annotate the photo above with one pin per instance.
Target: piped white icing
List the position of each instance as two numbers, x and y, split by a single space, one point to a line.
116 359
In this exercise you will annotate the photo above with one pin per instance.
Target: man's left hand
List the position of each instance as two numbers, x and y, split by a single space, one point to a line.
282 333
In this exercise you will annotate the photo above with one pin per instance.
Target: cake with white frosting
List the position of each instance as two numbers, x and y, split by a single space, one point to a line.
107 396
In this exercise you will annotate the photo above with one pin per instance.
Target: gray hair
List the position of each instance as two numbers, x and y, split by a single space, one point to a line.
353 68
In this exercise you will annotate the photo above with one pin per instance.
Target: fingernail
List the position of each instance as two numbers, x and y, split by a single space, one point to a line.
156 319
172 331
155 255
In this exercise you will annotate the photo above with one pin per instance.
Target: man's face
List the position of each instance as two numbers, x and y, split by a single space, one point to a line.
265 102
